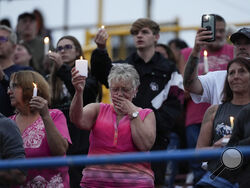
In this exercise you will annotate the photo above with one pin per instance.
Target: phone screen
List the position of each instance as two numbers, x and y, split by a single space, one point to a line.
208 21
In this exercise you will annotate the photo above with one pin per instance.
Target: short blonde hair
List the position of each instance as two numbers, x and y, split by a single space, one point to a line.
25 79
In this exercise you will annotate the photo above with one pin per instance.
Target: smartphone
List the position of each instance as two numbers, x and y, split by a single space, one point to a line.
208 21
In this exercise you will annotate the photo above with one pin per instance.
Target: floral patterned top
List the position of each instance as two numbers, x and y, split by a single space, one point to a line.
36 145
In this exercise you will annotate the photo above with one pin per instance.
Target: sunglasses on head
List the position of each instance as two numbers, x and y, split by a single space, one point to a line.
65 48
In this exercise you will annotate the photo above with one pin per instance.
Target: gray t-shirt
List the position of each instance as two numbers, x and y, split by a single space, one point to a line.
11 142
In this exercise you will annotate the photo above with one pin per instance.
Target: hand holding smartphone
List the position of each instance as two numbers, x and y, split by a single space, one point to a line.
208 21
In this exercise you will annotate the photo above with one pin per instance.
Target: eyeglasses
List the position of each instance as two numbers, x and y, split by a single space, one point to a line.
67 47
122 89
3 39
13 86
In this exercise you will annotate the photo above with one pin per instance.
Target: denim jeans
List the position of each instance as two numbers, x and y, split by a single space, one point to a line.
192 134
172 166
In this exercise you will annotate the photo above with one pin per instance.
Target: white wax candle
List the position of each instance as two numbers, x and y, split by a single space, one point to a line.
34 90
205 62
82 66
46 45
232 121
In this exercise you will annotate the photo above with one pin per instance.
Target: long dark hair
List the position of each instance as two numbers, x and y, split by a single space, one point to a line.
227 93
76 44
55 81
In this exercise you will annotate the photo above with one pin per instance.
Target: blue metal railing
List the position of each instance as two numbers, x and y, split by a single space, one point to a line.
179 155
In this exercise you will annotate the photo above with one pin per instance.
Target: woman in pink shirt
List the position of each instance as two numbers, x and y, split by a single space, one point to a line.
44 131
119 127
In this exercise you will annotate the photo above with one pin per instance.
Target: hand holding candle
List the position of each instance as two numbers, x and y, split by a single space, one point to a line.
205 62
46 45
82 66
34 90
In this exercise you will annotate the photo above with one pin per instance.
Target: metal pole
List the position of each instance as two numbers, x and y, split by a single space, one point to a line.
66 16
177 155
149 3
100 12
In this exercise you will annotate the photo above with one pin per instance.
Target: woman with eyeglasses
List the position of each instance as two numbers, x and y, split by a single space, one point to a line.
67 51
44 131
116 128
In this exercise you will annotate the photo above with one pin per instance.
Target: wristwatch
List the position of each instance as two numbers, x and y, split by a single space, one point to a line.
134 115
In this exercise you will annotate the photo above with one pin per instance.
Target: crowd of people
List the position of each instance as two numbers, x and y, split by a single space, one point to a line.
162 98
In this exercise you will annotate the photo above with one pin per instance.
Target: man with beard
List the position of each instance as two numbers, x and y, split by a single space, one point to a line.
208 88
8 41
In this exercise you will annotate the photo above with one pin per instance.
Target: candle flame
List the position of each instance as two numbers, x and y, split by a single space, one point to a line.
81 57
46 40
34 84
205 53
231 121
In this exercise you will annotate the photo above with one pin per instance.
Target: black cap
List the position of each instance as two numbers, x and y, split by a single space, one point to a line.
243 32
26 15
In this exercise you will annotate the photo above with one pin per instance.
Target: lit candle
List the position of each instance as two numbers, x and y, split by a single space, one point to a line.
102 27
232 121
34 90
46 45
82 66
205 62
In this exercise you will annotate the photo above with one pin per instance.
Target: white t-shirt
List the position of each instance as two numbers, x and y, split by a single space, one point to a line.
213 84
